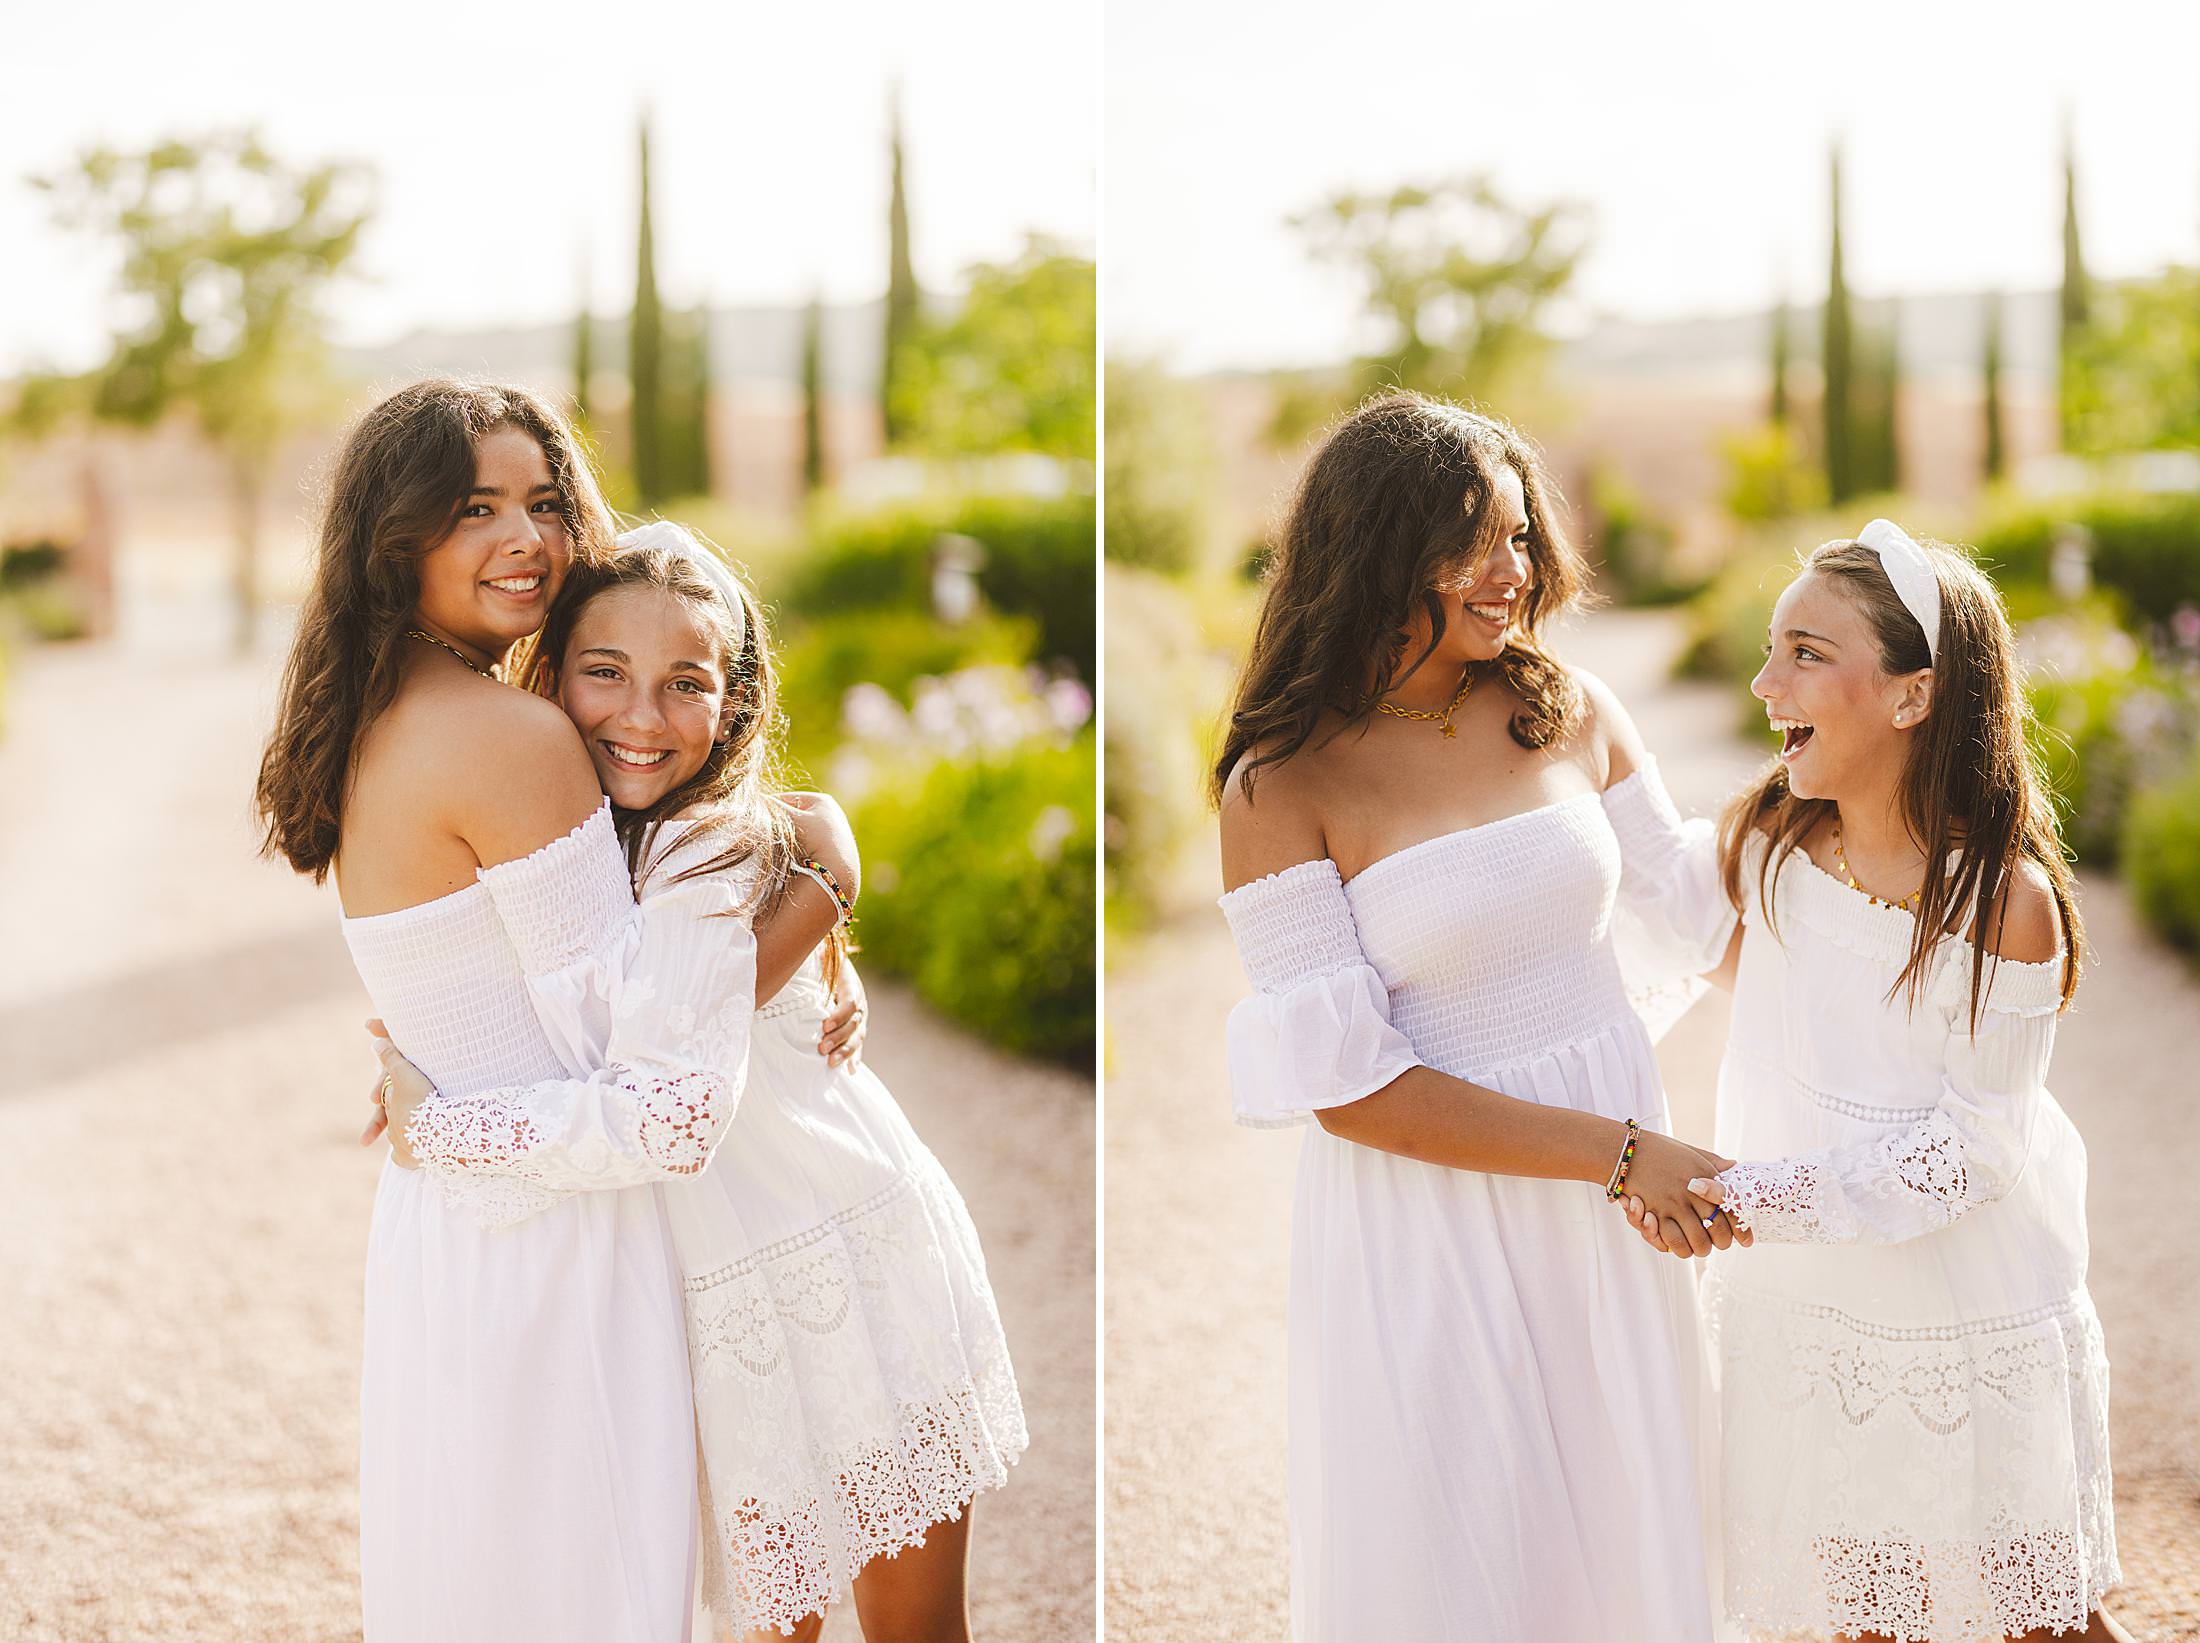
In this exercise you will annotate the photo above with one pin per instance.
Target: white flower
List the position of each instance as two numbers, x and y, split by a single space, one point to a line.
1050 831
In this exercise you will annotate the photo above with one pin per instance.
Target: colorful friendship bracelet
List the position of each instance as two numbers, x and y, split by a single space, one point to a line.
824 876
1617 1185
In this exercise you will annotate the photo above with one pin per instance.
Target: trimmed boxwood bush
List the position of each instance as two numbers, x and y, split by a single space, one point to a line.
2146 549
1040 557
978 885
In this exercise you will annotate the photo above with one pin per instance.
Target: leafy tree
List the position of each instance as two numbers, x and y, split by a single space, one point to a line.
1160 470
1459 275
813 395
1997 451
646 356
2132 377
903 300
1837 408
1013 370
227 254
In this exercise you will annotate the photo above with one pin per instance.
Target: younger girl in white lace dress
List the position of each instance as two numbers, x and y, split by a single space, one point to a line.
1914 1387
852 1388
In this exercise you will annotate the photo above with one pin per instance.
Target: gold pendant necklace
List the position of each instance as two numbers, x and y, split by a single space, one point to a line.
1908 903
1466 683
419 633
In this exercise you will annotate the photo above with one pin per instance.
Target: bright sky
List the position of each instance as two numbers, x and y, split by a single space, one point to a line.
1696 133
505 137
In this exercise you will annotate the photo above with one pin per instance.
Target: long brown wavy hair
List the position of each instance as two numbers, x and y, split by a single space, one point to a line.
735 794
1971 789
1395 500
397 489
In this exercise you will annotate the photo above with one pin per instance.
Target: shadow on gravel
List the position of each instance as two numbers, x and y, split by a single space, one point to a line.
76 1034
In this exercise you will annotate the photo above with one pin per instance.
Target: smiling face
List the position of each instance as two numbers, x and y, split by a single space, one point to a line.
1844 723
1481 598
643 678
488 583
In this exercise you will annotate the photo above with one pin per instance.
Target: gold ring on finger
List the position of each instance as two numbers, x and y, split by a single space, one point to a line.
382 1096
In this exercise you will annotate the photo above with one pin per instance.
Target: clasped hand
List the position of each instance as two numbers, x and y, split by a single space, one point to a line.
1672 1201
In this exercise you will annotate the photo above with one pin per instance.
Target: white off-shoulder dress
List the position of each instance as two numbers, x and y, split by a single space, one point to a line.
527 1453
1495 1390
850 1380
1914 1386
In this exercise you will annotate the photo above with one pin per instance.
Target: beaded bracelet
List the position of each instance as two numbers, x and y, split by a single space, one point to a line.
1616 1187
824 876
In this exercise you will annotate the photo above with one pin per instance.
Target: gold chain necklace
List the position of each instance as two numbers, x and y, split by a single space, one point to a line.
1466 683
419 633
1908 903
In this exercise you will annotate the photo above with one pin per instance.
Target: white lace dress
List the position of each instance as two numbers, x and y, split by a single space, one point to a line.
851 1383
527 1455
1495 1390
1913 1381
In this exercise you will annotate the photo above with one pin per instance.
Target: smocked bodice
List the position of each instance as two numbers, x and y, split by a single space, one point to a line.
448 977
1493 941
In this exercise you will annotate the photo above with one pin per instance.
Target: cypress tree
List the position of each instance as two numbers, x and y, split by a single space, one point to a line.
696 479
1889 463
813 396
901 277
1780 363
645 368
1837 407
1997 456
2076 296
584 349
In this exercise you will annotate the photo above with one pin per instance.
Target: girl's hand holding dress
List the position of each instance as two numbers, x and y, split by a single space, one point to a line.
840 1034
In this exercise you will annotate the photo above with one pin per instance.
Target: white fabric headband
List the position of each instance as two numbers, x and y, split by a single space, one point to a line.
1912 575
664 535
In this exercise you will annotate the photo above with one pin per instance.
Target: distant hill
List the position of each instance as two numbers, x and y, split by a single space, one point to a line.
756 343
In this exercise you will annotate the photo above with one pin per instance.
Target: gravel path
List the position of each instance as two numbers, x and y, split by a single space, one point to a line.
1199 1211
184 1208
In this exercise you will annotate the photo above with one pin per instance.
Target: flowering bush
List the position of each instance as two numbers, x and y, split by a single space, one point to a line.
2161 852
973 805
2110 721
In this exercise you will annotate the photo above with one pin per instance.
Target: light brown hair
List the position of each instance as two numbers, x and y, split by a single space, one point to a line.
1971 790
398 487
1396 497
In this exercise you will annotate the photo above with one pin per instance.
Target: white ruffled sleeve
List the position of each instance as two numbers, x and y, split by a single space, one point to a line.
1672 920
1316 1033
650 1009
1969 1150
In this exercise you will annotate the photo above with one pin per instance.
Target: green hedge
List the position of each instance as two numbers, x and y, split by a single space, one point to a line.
2146 549
889 648
1039 562
979 886
1157 695
2161 855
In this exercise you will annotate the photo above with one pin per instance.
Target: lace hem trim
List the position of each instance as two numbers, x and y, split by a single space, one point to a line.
1937 1592
774 1562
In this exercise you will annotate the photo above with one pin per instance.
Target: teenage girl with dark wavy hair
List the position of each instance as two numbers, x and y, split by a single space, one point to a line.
527 1455
1432 831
